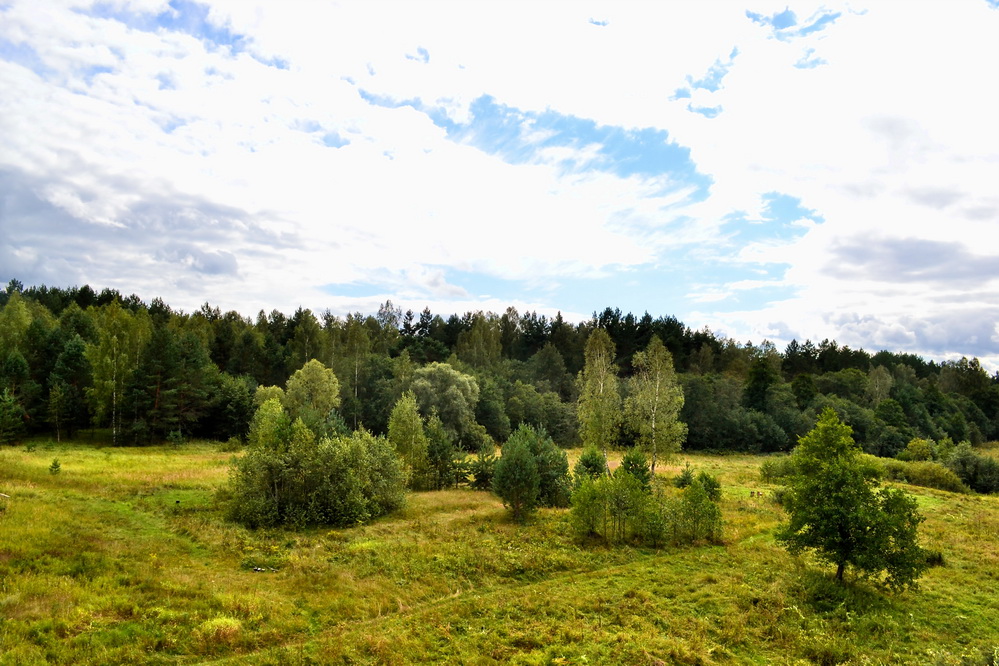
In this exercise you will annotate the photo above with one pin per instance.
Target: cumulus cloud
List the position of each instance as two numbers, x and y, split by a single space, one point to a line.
791 169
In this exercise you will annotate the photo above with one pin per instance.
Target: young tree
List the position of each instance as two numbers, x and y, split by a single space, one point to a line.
407 436
516 479
599 401
836 508
655 403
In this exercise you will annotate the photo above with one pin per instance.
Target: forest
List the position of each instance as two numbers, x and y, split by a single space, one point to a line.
74 358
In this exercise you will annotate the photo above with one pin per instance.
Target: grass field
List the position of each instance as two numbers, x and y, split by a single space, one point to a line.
123 557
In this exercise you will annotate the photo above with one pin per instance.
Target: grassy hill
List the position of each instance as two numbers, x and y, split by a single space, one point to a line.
123 557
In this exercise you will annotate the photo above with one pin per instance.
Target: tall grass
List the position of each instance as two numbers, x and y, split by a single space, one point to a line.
124 557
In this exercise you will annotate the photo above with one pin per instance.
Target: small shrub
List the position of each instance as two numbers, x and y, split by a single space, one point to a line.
684 478
30 446
700 518
175 437
924 473
636 464
219 632
591 465
55 467
232 445
482 468
712 486
776 468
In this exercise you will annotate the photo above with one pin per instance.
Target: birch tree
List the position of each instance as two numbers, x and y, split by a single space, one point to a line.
599 401
654 405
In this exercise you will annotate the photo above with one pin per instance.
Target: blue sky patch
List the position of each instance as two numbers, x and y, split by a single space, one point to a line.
24 55
521 137
782 23
809 60
183 16
706 111
776 222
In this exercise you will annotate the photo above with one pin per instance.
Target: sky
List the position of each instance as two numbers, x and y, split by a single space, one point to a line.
768 170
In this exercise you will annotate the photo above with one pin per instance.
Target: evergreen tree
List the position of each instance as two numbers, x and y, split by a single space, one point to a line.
516 479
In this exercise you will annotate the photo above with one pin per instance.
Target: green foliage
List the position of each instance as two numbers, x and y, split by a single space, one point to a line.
453 395
482 468
552 463
599 402
516 480
635 463
836 509
979 472
55 467
407 436
924 473
775 468
618 509
311 394
11 418
918 449
591 465
653 407
340 481
700 516
685 477
710 484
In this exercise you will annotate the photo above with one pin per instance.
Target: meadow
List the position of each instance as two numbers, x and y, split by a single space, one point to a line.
124 557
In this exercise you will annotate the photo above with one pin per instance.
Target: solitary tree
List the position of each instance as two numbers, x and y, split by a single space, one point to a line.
837 509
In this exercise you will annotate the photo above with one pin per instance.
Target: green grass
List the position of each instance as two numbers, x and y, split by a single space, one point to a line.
123 557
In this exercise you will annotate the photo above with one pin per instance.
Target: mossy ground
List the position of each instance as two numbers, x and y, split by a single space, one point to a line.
124 557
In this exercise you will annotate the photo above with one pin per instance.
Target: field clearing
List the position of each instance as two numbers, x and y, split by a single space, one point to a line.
123 557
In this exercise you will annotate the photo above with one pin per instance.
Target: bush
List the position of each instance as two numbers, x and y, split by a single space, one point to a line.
979 472
924 473
712 486
591 465
636 464
776 468
918 449
341 481
553 466
700 517
618 510
684 478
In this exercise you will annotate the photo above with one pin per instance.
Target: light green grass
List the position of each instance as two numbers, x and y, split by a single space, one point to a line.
124 557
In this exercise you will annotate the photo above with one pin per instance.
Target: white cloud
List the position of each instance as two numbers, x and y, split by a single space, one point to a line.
128 133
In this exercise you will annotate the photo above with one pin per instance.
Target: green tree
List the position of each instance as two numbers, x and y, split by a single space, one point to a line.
407 435
453 395
72 372
120 336
311 394
599 401
554 482
11 418
654 405
836 508
516 479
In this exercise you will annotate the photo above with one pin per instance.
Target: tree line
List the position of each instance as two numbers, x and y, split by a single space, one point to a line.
73 358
